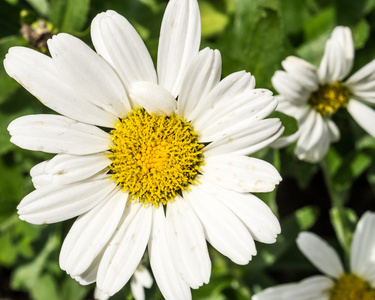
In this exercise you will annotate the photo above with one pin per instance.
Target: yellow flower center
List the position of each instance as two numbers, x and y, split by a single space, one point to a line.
329 98
154 157
351 287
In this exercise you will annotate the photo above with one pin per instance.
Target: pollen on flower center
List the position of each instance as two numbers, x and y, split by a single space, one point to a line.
329 98
351 287
154 157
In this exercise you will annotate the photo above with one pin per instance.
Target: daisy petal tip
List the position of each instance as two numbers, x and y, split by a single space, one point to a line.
22 217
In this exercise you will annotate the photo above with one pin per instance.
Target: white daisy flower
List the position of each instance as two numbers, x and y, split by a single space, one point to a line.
336 284
168 175
313 95
140 280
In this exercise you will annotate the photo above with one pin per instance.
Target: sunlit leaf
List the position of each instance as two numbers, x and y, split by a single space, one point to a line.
69 15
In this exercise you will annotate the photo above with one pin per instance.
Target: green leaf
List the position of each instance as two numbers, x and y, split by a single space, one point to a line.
350 12
9 20
40 6
306 217
69 15
371 176
7 84
295 14
289 122
352 166
321 23
72 290
317 31
213 21
243 43
45 288
27 275
361 33
365 142
313 50
343 229
301 171
369 6
7 253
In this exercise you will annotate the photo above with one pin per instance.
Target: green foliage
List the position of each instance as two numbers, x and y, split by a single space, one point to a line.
69 15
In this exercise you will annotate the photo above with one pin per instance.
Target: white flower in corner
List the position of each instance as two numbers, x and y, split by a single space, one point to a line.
168 175
313 95
336 284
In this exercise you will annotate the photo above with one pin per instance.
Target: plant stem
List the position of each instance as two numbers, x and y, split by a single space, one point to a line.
338 213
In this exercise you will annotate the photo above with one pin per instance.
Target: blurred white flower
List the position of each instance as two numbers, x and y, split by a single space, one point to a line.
141 279
169 175
336 284
313 95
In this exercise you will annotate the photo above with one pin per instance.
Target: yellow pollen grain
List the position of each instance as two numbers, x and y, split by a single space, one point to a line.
329 98
351 287
154 157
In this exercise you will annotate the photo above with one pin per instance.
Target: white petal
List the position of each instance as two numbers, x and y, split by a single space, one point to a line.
314 139
52 203
153 98
299 112
166 275
38 177
285 141
116 40
66 168
57 134
253 212
290 88
302 71
223 230
241 173
125 249
362 257
37 73
88 74
362 83
179 43
246 138
320 254
89 276
311 131
233 86
90 233
311 288
187 243
363 76
334 132
204 73
100 295
363 115
254 105
338 56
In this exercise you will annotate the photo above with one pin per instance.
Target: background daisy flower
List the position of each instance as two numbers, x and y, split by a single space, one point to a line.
313 96
167 175
336 284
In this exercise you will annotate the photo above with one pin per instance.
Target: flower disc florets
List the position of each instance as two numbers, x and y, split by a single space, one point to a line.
329 98
154 157
351 287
